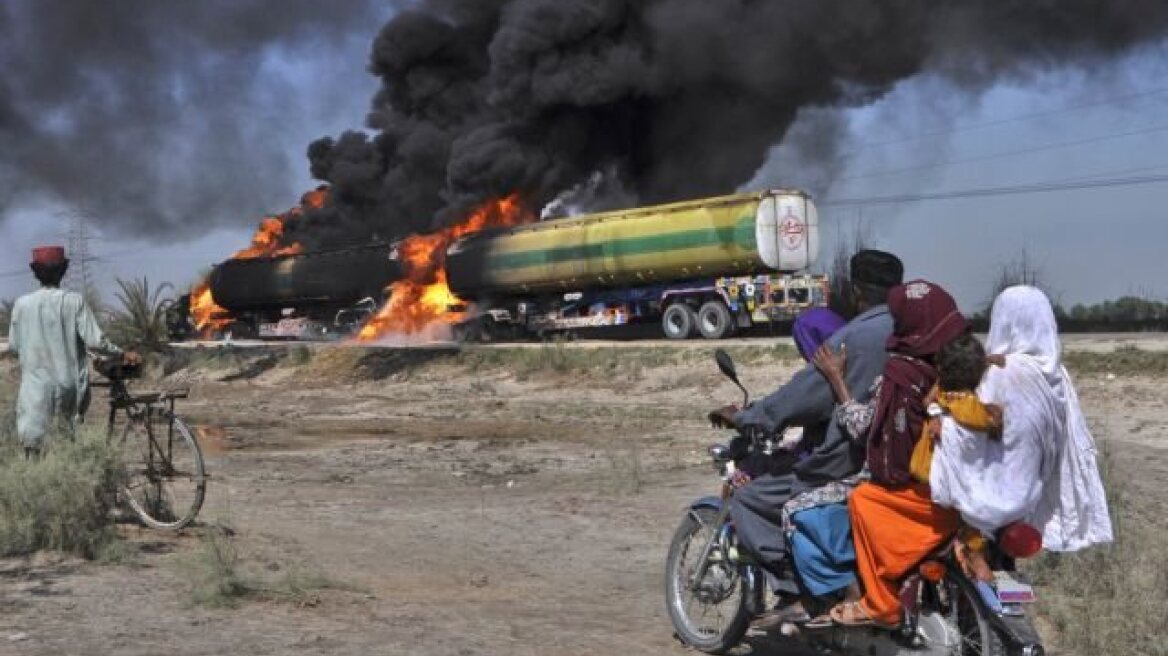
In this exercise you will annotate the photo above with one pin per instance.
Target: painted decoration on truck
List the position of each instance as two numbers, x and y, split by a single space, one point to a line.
793 231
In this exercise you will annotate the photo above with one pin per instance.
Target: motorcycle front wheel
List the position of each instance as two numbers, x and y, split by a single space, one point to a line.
977 636
711 616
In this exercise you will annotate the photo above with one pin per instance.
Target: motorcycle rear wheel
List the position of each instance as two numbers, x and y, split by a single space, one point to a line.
723 591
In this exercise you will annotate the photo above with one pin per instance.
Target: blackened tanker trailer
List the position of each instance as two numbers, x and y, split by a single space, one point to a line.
306 295
708 266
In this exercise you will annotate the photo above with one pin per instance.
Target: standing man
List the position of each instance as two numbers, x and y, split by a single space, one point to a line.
807 401
50 332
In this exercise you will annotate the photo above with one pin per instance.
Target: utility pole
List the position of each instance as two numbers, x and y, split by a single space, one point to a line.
82 264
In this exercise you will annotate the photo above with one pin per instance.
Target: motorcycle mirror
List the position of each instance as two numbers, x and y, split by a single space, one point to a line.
726 366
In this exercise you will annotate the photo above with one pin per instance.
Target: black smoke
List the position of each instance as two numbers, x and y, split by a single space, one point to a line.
162 118
681 98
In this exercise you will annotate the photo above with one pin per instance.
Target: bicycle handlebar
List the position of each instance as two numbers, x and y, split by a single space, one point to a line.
116 369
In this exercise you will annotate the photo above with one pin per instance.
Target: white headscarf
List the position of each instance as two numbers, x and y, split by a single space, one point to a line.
1072 512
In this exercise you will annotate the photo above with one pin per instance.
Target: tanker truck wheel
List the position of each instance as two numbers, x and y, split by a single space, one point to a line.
678 321
714 320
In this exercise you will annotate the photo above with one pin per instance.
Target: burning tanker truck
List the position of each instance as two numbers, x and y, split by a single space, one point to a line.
310 295
704 267
708 267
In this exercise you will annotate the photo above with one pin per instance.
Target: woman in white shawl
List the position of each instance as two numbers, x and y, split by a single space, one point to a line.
1044 469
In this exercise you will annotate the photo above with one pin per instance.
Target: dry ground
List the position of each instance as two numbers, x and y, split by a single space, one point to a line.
483 503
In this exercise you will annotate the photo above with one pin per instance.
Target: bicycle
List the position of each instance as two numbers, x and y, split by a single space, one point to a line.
165 479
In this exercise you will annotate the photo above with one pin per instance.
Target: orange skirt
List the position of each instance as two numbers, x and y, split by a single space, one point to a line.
894 530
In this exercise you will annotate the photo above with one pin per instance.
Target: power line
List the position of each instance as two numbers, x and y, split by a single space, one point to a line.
103 257
1043 187
1013 119
1011 153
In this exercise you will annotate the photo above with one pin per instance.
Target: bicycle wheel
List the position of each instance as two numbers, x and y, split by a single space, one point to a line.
165 479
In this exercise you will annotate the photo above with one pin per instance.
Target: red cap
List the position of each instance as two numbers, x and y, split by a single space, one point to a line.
48 255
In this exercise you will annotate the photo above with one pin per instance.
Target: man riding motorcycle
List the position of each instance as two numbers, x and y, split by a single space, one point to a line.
807 401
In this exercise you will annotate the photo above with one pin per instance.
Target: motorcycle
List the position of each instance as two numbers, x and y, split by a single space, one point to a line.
715 589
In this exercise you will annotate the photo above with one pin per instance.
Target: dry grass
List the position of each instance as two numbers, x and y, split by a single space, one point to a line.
555 359
1123 361
601 363
219 576
1112 599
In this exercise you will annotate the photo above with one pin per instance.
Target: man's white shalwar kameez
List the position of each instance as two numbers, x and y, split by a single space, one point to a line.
50 331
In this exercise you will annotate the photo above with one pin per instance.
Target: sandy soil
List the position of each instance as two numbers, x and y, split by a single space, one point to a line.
463 512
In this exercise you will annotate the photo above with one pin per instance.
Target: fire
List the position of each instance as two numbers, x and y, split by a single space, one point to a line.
209 317
268 241
422 297
265 242
269 237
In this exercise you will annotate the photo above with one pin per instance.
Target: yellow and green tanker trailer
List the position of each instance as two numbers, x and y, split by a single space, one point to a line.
708 266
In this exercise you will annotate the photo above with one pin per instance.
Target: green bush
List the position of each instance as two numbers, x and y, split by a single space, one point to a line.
61 501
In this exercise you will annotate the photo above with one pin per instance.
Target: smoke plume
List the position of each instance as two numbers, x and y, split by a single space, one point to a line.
161 118
681 98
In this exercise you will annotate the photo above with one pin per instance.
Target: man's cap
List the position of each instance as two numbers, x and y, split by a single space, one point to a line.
877 268
48 255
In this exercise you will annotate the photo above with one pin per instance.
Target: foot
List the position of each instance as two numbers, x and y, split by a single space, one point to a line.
852 593
786 611
823 621
851 613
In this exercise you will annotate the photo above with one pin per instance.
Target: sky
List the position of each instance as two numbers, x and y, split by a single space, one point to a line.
924 137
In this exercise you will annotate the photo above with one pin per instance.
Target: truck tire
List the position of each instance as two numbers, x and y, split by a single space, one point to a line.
714 320
678 321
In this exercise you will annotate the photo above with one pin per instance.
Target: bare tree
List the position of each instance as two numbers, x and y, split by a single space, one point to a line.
1022 270
1019 271
853 237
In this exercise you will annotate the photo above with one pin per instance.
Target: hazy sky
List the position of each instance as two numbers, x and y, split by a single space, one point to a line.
1063 125
924 137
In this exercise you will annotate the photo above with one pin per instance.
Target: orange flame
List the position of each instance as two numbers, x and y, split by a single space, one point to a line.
266 242
269 237
422 297
209 317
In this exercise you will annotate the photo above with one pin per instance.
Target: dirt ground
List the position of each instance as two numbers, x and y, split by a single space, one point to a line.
457 510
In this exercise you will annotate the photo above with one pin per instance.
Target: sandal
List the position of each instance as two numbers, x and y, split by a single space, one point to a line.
823 621
851 613
792 613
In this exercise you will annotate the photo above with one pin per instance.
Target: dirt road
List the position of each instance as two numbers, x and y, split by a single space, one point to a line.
455 505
